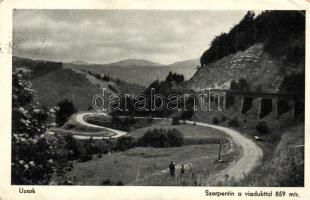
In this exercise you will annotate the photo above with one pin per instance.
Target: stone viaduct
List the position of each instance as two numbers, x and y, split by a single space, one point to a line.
274 99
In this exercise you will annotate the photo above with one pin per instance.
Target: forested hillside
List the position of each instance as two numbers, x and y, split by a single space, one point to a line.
282 32
265 50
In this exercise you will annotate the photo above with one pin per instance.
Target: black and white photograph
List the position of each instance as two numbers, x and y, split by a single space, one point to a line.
150 97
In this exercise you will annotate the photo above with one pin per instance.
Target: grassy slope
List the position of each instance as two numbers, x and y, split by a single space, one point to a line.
284 163
64 83
121 87
138 163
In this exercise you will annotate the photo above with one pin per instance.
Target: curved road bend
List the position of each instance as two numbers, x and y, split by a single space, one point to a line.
80 119
250 158
251 153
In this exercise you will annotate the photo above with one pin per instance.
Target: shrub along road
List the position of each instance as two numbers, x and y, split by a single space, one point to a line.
250 158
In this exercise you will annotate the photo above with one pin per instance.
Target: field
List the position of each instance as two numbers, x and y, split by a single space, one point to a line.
149 166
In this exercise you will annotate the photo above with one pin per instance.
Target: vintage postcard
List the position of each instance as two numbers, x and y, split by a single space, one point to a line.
153 100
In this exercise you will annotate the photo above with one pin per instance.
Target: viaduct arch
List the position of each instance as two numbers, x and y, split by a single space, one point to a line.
219 97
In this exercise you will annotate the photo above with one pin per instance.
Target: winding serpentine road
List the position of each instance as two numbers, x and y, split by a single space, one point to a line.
80 119
250 158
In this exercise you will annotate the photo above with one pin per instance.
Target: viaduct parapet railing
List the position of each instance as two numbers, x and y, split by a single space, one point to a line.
220 97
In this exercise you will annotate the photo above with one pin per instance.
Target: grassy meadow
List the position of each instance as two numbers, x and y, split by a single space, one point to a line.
149 165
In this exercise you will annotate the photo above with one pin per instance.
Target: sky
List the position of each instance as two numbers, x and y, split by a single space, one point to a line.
104 36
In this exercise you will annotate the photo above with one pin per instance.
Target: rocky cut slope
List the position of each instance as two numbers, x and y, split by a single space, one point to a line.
261 70
265 50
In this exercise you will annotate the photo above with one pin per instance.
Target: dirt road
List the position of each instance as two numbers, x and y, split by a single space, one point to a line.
250 158
80 119
251 155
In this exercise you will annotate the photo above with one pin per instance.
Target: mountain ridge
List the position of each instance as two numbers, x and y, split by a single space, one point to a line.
135 62
140 71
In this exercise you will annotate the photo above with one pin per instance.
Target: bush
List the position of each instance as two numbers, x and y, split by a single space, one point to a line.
116 121
215 120
65 109
126 142
106 182
274 138
119 183
70 126
175 121
161 138
92 146
233 122
174 138
74 146
129 121
86 158
188 114
150 119
223 118
262 128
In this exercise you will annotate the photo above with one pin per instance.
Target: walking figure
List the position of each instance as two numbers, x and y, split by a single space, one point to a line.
182 170
172 168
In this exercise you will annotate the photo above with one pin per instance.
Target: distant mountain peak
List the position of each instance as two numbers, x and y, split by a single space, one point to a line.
80 62
136 62
186 63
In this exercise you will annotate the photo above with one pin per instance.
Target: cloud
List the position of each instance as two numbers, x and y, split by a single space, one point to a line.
102 36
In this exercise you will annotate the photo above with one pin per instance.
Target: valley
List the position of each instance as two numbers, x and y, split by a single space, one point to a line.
136 71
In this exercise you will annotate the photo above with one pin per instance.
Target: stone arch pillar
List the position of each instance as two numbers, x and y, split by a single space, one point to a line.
275 107
218 102
292 108
224 102
259 110
209 94
241 106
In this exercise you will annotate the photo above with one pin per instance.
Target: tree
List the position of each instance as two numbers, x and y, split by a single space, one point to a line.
126 142
33 151
116 121
295 84
174 77
174 137
241 85
65 109
175 121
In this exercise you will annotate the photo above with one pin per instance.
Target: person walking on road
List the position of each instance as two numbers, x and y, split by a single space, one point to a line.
172 168
182 170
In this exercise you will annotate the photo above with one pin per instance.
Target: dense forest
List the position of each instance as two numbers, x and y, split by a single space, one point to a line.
281 32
